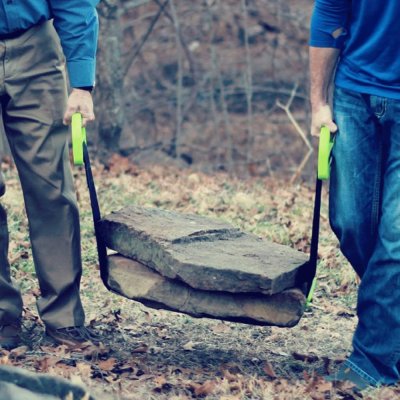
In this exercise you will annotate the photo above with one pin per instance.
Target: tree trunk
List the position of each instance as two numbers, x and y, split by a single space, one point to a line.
108 94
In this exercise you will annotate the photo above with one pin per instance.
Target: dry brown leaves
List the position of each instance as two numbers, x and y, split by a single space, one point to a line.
134 367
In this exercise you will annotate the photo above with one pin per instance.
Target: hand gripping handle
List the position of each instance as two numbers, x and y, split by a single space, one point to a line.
78 138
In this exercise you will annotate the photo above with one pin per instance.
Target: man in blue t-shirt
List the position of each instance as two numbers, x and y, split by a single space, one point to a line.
35 37
356 42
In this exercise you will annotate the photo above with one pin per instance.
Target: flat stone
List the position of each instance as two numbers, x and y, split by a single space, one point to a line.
205 253
20 384
138 282
10 391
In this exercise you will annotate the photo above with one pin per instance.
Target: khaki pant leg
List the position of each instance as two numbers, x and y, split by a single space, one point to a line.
36 85
10 297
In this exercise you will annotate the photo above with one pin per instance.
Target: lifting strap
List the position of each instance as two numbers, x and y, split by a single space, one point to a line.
308 279
101 247
81 157
323 173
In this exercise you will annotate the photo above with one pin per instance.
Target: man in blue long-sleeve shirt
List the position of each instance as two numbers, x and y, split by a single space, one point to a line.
36 37
360 38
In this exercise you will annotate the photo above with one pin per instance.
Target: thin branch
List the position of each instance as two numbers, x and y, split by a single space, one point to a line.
131 60
248 83
299 130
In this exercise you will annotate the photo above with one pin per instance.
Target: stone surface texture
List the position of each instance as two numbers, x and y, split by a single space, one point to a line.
19 384
138 282
206 254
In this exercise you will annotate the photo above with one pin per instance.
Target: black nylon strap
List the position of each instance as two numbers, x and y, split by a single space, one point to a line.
101 247
310 269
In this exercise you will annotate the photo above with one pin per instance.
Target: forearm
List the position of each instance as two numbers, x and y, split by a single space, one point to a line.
322 66
327 36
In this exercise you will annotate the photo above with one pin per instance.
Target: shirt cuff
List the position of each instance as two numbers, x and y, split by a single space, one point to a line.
81 72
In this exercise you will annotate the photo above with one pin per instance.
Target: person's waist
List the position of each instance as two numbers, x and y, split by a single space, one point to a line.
16 34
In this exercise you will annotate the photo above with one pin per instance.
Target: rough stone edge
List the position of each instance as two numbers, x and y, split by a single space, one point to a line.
268 286
294 294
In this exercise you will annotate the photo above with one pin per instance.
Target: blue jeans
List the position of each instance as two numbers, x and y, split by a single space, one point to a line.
365 216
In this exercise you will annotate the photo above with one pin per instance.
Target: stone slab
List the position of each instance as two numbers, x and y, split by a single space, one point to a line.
20 384
138 282
205 253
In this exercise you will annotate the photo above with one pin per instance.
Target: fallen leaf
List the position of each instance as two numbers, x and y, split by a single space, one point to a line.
107 365
4 357
323 386
45 363
160 380
89 350
19 351
229 376
84 369
189 346
221 328
269 370
142 348
204 389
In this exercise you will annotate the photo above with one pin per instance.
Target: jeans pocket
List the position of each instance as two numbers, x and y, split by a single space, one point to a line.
347 101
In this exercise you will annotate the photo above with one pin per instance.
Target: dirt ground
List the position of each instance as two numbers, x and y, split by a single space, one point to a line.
151 354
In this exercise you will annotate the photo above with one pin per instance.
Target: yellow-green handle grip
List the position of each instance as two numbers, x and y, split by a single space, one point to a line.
311 292
78 138
324 153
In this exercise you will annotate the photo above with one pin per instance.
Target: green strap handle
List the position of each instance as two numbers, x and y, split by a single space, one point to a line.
78 138
326 140
324 153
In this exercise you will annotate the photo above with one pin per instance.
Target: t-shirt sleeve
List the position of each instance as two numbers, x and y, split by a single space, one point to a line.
329 16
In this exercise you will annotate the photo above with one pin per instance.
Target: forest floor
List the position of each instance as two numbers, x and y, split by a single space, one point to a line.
150 354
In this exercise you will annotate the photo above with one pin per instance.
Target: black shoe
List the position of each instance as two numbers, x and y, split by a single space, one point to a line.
73 336
10 336
346 374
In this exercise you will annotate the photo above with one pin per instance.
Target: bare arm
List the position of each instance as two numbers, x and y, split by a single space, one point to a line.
328 31
322 66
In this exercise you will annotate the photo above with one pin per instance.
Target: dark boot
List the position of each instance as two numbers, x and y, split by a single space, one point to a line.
10 336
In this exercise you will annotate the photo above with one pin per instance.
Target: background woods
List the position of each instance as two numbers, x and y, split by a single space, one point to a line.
219 84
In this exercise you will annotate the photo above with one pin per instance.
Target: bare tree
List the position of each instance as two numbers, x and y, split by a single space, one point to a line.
205 81
109 94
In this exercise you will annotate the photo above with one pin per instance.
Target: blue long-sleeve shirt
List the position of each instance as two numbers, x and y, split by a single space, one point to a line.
76 23
370 50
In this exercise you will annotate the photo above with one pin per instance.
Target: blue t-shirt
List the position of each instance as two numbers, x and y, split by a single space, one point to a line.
76 23
370 43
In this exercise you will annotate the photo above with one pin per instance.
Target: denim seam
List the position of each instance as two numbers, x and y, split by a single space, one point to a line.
362 373
376 193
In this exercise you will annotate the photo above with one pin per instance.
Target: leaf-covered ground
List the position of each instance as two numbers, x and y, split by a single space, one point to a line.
149 354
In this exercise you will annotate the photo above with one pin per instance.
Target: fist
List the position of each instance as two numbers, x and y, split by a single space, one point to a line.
79 101
320 116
